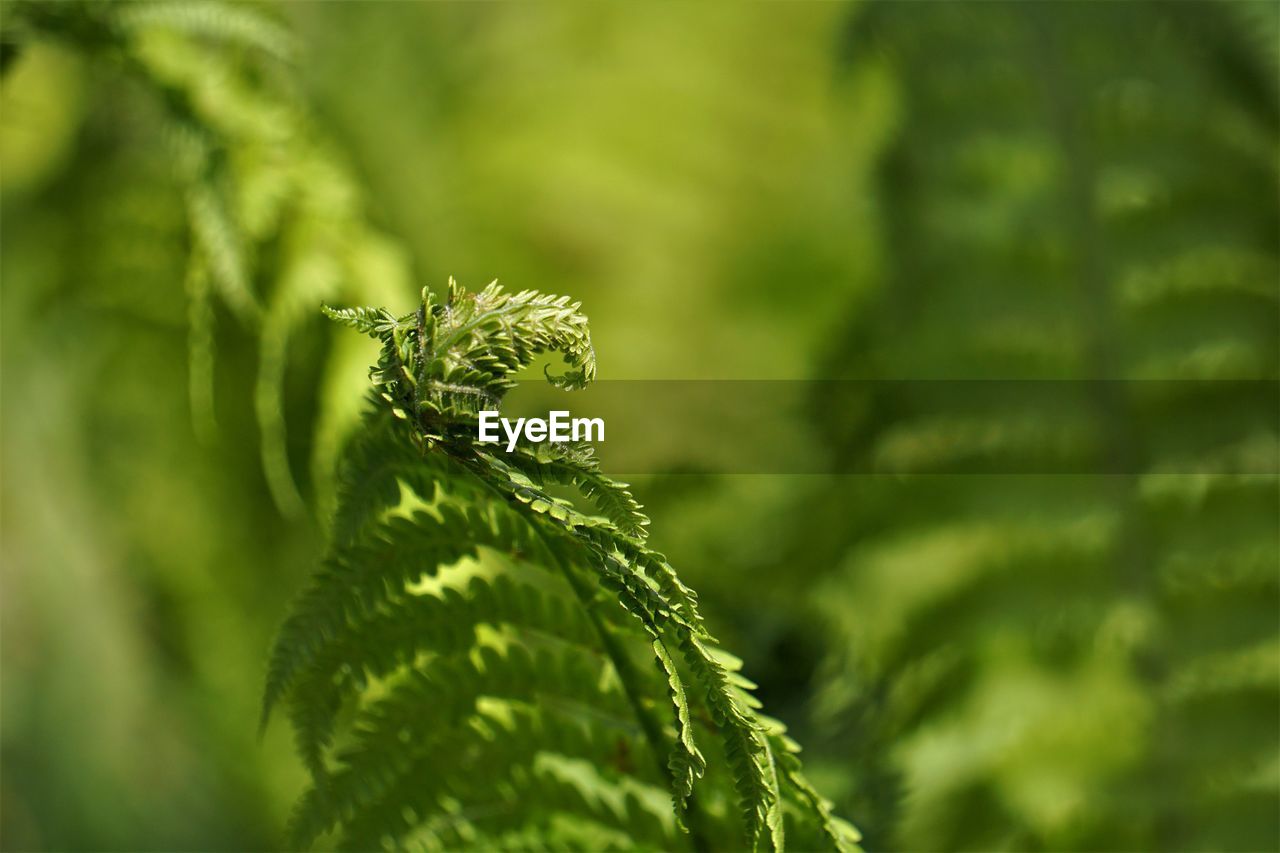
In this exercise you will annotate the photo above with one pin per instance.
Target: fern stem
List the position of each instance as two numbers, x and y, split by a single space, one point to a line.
630 680
695 820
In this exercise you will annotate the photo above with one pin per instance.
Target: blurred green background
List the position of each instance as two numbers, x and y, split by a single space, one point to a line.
882 191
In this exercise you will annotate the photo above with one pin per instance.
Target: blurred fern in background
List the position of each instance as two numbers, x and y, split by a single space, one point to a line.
274 220
1085 658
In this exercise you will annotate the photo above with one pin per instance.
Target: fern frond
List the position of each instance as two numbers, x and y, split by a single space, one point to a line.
260 187
201 355
367 321
1094 212
220 246
358 579
578 469
468 614
232 23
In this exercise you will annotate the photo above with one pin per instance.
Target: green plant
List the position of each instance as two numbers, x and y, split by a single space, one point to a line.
275 220
513 671
274 225
1052 594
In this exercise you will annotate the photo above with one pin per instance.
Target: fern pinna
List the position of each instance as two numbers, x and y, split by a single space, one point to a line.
480 663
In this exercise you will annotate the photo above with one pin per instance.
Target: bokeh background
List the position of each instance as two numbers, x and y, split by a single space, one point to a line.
1085 659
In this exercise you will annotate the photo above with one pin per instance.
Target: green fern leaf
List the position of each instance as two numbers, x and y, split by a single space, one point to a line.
506 656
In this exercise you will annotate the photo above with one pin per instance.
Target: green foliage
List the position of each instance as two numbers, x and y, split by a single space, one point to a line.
1085 659
1068 191
270 226
275 221
505 668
